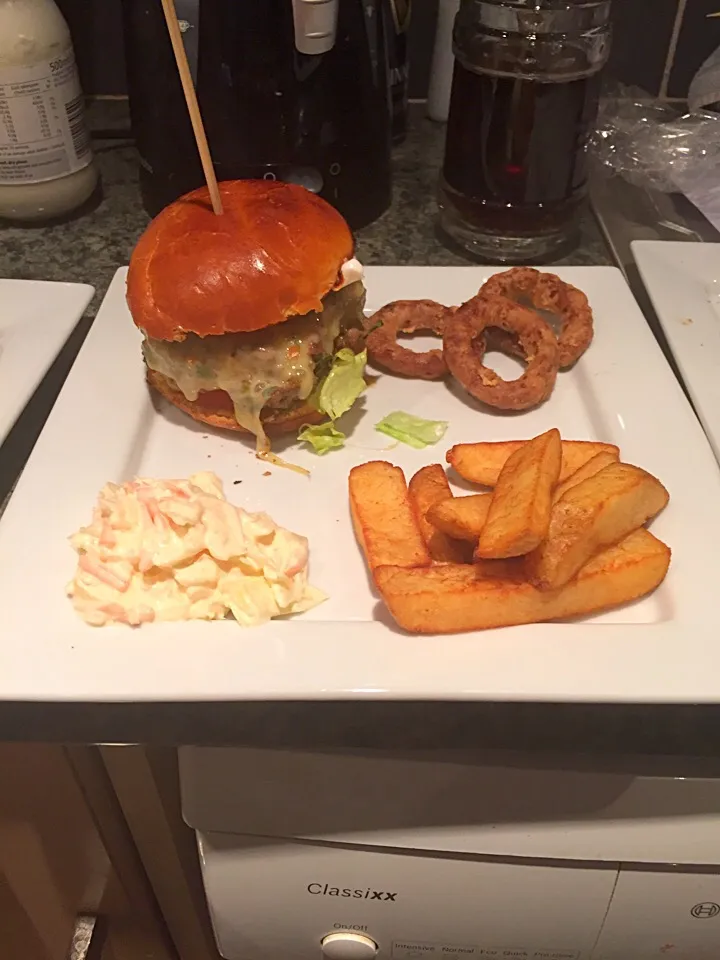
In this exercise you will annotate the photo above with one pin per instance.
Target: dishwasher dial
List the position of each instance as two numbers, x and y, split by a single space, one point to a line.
345 945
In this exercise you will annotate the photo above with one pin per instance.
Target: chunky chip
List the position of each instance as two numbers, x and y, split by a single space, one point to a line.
453 598
428 488
587 470
383 517
561 535
461 517
591 516
481 463
519 514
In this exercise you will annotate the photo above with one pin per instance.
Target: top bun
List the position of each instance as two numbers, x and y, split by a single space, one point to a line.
274 253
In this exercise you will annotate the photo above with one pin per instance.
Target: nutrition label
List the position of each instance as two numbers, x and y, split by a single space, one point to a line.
42 122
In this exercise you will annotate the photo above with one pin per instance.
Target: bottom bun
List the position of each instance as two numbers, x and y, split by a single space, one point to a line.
275 421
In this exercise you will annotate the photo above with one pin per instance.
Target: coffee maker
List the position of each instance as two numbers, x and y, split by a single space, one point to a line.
294 90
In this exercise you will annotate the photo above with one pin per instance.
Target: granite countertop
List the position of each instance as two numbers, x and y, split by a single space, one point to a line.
92 247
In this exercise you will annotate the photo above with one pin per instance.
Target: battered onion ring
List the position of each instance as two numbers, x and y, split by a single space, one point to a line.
464 348
546 291
408 316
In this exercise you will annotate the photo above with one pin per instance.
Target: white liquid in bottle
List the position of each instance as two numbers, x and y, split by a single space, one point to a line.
46 163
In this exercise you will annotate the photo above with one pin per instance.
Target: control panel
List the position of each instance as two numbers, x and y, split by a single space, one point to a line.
272 897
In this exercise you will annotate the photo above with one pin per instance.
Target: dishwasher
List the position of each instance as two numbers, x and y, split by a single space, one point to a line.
411 854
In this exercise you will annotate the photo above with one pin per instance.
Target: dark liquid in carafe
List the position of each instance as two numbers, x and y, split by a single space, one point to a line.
515 160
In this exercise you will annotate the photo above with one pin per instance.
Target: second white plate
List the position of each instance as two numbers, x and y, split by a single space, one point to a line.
683 281
36 318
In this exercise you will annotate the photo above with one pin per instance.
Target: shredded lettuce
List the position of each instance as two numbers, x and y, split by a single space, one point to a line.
414 431
322 437
334 396
343 385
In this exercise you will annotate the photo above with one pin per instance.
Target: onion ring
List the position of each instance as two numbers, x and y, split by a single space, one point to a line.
464 348
408 316
546 291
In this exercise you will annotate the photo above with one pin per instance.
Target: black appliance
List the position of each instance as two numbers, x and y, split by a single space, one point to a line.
293 90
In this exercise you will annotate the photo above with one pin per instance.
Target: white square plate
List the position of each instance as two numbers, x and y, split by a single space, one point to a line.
36 318
683 280
105 427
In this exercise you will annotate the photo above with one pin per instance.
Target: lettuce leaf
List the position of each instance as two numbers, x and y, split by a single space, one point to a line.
334 396
322 437
343 385
414 431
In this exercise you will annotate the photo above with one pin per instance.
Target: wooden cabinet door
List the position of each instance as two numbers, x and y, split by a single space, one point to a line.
65 852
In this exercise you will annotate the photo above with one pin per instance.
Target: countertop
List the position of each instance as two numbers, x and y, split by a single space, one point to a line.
90 249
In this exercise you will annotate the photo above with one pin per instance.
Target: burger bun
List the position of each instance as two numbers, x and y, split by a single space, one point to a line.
274 253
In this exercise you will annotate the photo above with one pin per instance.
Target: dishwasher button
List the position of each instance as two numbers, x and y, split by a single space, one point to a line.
345 945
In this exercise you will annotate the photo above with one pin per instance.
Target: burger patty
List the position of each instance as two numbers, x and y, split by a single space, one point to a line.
273 368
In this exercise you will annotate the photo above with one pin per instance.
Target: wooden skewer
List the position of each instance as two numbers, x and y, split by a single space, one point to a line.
192 103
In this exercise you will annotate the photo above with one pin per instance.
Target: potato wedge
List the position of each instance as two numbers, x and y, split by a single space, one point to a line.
427 488
461 517
592 515
451 599
519 514
383 517
482 462
589 469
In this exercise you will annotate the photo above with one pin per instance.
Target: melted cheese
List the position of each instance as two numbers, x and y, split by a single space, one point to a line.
269 457
251 367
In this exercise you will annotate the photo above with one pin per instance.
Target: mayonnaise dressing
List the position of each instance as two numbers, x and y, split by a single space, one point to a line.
46 164
178 550
351 271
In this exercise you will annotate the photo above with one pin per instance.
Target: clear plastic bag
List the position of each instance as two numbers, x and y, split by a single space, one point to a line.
649 145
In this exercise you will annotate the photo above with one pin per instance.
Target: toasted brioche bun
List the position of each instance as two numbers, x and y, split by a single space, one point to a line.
275 421
274 253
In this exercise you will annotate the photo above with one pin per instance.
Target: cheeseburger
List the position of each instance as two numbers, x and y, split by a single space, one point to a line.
242 314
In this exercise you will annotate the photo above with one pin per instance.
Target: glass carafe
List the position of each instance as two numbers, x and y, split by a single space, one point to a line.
524 100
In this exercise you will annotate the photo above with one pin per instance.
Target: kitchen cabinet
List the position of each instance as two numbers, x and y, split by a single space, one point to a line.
66 853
